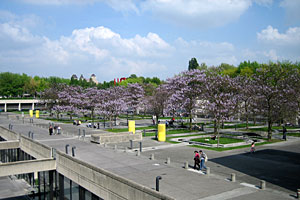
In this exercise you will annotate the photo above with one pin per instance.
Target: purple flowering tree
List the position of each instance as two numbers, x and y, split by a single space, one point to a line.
247 96
112 102
221 98
157 102
68 100
134 95
276 93
185 92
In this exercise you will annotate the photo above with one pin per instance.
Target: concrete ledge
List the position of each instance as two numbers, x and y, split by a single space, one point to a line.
103 183
34 148
7 134
9 144
106 138
28 166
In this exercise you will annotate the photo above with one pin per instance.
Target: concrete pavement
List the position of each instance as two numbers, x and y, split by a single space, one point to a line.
176 181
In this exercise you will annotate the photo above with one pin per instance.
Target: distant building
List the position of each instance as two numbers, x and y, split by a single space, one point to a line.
92 78
74 77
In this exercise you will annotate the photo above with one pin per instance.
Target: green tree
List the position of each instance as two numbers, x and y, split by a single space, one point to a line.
193 64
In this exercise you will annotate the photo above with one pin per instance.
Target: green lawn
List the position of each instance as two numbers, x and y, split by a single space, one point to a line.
243 125
237 147
116 130
222 140
168 132
292 134
265 129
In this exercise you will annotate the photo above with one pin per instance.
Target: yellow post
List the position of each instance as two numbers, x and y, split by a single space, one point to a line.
161 132
37 113
131 126
31 113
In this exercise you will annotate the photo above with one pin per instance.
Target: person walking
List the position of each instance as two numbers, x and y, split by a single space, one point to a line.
203 158
58 130
50 130
283 133
252 150
196 160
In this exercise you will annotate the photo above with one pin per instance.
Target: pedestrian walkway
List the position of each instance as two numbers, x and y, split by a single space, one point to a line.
176 182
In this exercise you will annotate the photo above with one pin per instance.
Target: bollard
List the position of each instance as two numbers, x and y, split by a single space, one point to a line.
207 170
131 145
186 165
32 135
73 151
11 127
83 132
232 177
141 147
156 134
78 133
262 184
152 157
29 134
168 160
298 193
138 153
144 133
157 183
66 147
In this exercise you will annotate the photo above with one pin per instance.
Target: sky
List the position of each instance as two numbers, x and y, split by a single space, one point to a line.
150 38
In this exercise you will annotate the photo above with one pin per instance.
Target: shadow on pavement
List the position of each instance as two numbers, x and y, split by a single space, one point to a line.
278 167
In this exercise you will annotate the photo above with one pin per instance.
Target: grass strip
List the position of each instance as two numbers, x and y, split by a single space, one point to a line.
222 140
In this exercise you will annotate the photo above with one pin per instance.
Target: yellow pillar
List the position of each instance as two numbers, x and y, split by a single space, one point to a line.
31 113
161 132
37 113
131 126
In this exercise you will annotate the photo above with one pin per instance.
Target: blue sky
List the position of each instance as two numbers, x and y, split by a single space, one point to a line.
150 38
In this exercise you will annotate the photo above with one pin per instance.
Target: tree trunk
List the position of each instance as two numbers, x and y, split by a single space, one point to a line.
269 130
92 116
191 121
110 121
215 126
218 132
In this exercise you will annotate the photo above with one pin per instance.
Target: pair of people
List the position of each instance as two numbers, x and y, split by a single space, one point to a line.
199 160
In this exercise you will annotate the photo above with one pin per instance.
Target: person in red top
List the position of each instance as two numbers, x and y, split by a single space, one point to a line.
197 160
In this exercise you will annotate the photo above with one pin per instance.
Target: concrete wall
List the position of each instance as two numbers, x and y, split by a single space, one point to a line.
103 183
7 134
24 167
106 138
9 145
98 181
34 148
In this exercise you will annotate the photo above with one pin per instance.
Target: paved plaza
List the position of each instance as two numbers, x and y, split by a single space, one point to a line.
278 164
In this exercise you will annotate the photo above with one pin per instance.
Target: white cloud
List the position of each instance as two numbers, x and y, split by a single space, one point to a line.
202 14
124 5
271 54
209 52
264 2
292 8
271 35
96 49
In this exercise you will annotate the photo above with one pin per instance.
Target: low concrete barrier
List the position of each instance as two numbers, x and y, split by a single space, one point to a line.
7 134
106 138
28 166
103 183
34 148
9 144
